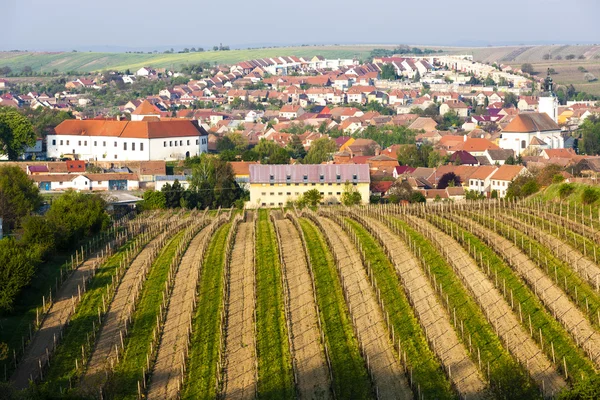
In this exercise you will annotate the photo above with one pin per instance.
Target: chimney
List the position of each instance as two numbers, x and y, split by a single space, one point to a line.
464 138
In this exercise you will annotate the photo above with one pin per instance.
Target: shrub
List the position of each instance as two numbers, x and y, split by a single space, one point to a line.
558 178
589 195
566 189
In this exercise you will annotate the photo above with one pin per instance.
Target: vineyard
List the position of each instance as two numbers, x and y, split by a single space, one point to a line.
477 300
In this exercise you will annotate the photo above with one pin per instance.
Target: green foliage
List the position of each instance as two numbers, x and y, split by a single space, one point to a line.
527 68
558 178
388 72
522 186
350 377
45 119
387 135
312 198
565 190
295 148
590 133
275 375
270 153
18 196
350 196
153 200
75 215
417 197
400 191
320 151
588 389
212 184
510 99
16 132
17 267
414 156
38 234
589 195
173 194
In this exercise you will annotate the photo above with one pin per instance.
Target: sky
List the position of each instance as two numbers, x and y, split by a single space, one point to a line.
159 24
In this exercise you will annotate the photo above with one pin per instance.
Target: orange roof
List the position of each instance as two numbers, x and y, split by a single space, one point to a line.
483 172
508 172
146 108
241 167
75 166
475 145
560 153
130 129
531 122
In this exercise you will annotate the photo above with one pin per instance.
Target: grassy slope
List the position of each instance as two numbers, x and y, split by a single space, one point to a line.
350 377
128 372
204 350
275 377
551 193
427 371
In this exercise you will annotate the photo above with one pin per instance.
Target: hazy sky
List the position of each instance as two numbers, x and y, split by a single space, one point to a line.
89 24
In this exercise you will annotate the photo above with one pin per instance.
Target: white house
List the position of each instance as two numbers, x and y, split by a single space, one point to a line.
86 182
145 71
104 140
479 181
503 176
524 127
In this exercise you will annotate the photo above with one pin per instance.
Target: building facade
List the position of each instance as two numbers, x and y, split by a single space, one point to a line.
97 140
519 133
275 185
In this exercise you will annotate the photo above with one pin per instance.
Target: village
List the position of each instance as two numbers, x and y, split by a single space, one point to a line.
484 124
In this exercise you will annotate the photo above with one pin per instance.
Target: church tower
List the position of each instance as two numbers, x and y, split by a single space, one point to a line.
548 102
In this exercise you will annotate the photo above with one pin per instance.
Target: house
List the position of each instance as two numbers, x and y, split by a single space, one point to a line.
479 181
3 84
86 182
498 156
462 157
402 170
291 111
127 140
145 71
423 123
241 172
503 176
380 188
457 107
518 134
275 185
146 109
383 164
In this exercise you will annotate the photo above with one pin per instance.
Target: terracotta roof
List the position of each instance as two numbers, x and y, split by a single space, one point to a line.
508 172
241 167
483 172
153 168
146 108
531 122
75 166
560 153
475 145
53 178
130 129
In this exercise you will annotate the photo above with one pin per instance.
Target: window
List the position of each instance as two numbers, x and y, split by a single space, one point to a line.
170 143
280 194
322 193
523 144
288 194
104 144
330 193
132 146
115 144
124 145
188 142
85 143
354 176
141 146
181 142
272 194
60 183
197 141
115 156
67 142
176 143
321 177
263 194
95 143
79 143
338 177
99 182
338 193
54 142
61 142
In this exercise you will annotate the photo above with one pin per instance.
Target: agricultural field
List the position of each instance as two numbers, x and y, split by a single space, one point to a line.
478 300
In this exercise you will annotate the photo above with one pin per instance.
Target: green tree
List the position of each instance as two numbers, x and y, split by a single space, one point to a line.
527 68
225 143
270 153
350 196
38 235
75 215
510 99
417 197
589 195
16 132
153 200
213 183
17 267
18 196
400 191
312 197
320 151
388 72
173 194
295 148
590 132
565 190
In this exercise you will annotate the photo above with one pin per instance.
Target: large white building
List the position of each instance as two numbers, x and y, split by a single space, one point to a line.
102 140
519 133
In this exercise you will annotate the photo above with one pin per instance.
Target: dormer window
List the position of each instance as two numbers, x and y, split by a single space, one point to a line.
305 178
355 177
338 177
271 177
322 177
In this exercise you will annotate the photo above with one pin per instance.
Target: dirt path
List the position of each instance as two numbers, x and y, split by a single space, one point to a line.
240 343
166 374
384 364
497 311
109 336
584 267
309 359
563 309
432 315
57 317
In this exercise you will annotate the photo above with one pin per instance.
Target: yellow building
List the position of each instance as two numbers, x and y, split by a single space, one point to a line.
275 185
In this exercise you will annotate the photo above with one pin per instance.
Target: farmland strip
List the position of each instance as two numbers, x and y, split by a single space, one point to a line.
382 362
311 367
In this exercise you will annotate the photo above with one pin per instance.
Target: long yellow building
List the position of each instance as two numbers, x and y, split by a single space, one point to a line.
275 185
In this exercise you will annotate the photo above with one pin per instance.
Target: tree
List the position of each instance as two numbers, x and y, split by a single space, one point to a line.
570 57
400 191
417 77
153 200
565 190
38 235
489 81
388 72
588 76
590 134
589 195
173 194
510 99
320 151
449 179
270 153
16 132
312 197
75 215
527 68
213 183
18 196
350 196
225 143
295 148
412 156
17 267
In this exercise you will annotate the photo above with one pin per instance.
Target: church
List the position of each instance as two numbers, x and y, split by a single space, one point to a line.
147 137
535 130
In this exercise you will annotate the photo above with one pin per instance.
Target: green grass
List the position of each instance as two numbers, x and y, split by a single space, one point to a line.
275 375
201 379
579 365
427 371
129 371
555 268
350 376
62 365
552 195
503 369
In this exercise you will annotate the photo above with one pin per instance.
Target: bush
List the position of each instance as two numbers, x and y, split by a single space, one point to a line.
589 196
558 178
565 190
417 197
